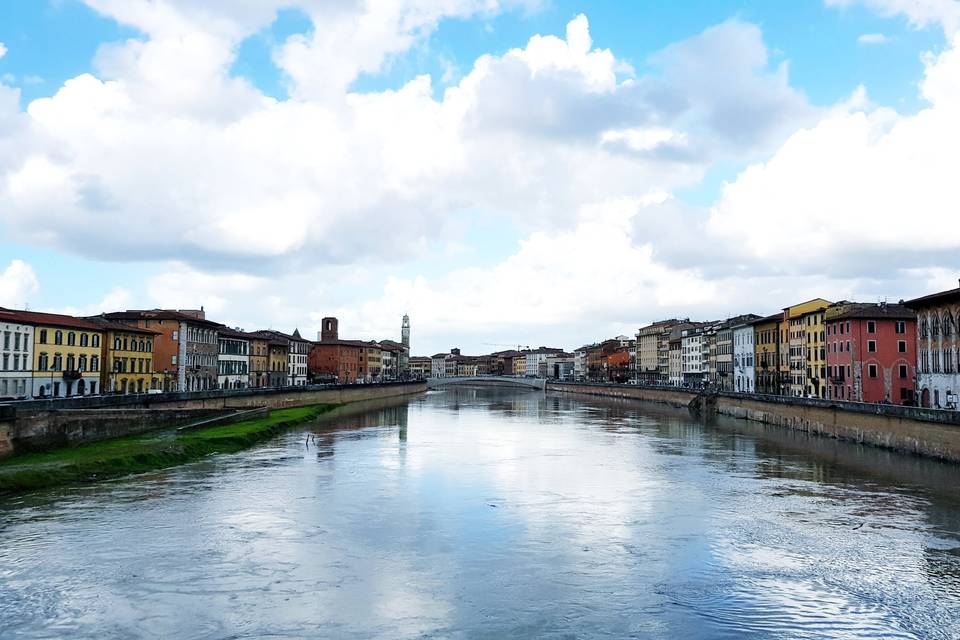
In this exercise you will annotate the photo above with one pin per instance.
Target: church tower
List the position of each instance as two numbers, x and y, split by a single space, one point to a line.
405 341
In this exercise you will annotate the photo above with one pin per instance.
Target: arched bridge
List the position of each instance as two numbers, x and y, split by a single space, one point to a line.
497 381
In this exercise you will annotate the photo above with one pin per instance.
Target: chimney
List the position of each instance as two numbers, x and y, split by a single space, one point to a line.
455 352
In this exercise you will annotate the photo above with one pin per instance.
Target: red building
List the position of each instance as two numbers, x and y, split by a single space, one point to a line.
345 360
871 352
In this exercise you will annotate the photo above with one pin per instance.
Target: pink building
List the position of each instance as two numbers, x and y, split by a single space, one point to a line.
871 353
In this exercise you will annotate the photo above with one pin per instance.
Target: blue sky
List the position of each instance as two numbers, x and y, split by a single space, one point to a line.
466 239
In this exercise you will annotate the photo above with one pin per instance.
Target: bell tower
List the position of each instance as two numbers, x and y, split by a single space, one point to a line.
328 330
405 341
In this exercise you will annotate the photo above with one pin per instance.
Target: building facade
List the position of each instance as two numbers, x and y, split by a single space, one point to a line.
127 358
744 371
16 357
807 348
871 353
938 349
184 349
233 359
692 366
767 354
259 361
66 353
537 357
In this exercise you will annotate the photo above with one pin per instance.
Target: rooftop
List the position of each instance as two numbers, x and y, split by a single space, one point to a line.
51 319
951 295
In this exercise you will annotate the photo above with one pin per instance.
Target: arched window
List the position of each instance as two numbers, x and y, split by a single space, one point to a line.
71 339
96 341
117 344
94 363
125 345
82 363
58 337
947 324
934 326
84 340
43 336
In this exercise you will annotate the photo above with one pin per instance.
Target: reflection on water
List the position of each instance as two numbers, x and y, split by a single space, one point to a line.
476 513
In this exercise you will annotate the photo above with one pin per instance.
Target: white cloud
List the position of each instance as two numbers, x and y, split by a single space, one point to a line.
116 299
234 179
3 50
863 189
872 38
18 282
920 13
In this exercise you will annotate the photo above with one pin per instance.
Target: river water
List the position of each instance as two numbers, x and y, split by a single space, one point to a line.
474 513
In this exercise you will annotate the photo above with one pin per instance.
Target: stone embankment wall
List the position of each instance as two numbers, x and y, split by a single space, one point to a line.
927 432
45 424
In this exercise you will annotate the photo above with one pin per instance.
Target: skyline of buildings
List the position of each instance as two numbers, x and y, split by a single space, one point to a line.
905 353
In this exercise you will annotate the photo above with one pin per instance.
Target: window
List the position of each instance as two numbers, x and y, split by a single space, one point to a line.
95 342
901 326
82 363
84 340
903 372
57 362
94 365
43 362
902 346
6 362
176 336
173 360
871 326
58 337
71 339
116 344
872 346
16 362
872 370
16 342
43 336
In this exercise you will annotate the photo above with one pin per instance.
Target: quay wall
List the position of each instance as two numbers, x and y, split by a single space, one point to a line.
926 432
46 424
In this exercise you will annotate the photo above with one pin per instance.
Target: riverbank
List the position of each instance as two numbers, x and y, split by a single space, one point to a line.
924 432
145 452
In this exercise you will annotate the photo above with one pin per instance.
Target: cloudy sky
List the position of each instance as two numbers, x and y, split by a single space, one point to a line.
506 171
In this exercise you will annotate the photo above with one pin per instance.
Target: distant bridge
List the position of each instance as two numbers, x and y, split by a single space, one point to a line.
491 381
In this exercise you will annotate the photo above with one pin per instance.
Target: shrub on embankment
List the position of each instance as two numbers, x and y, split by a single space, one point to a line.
145 452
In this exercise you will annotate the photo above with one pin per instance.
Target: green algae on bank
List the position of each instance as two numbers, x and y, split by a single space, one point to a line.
144 452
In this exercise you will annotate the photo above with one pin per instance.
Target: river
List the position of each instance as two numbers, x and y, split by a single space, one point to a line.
479 513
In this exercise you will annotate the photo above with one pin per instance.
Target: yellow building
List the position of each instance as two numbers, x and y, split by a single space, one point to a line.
766 341
520 365
807 348
127 357
66 354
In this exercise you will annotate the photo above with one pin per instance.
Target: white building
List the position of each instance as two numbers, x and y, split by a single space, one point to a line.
536 357
16 359
744 373
233 359
438 365
693 367
580 364
938 349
